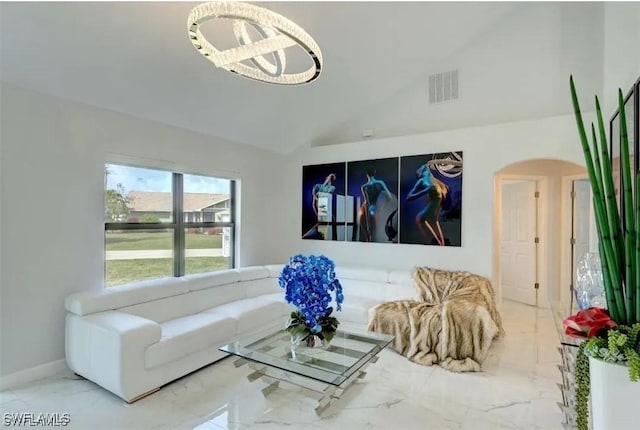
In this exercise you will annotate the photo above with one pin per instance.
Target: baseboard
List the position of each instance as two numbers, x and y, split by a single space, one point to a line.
38 372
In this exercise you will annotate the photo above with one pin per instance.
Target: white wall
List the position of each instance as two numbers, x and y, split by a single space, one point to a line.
621 51
516 70
53 155
486 151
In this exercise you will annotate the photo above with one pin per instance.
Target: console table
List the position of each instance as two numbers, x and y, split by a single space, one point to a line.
568 350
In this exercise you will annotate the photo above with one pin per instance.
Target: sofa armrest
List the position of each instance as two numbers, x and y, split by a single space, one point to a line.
128 326
108 348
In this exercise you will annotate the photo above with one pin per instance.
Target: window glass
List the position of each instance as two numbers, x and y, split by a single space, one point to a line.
142 239
207 249
207 199
137 195
136 255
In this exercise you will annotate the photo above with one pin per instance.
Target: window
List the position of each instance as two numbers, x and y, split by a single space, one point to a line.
160 224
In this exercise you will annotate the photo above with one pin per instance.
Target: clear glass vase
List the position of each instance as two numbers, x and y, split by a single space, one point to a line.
311 341
306 349
589 286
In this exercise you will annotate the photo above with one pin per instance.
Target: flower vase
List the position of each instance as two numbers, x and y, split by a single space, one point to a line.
614 397
311 341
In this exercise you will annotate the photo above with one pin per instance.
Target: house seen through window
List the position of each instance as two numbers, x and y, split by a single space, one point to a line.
160 224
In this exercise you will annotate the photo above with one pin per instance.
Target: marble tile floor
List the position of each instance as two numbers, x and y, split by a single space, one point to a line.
516 390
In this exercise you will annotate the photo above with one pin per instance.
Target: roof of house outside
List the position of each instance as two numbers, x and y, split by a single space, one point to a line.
151 201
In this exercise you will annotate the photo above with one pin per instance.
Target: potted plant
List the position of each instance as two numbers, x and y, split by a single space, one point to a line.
608 362
308 283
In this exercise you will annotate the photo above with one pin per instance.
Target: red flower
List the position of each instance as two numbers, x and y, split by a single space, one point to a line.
588 323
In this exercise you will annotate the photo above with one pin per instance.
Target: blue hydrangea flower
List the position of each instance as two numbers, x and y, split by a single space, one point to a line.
308 283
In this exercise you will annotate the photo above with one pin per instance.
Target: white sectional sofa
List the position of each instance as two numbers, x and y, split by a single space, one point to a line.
135 338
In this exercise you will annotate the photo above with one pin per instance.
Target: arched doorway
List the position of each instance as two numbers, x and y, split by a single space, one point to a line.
532 229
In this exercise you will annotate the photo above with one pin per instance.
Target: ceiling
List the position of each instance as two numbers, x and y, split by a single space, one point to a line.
136 58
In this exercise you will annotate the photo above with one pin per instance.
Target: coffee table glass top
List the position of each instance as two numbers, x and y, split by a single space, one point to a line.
348 351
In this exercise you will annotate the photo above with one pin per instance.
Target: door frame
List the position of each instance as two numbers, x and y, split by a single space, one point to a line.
542 273
565 235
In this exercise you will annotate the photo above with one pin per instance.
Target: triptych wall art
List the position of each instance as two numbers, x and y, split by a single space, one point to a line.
415 200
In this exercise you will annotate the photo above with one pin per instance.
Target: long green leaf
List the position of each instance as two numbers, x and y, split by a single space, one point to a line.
611 203
596 156
630 286
614 221
614 301
614 240
606 276
630 224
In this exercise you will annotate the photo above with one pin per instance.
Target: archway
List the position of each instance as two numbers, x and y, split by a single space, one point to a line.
542 280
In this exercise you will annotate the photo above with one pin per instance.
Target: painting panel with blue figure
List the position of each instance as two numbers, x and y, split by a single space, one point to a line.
324 201
431 199
372 190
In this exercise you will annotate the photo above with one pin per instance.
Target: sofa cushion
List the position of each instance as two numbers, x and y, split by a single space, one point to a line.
373 275
165 309
214 296
274 270
356 310
372 290
285 307
401 277
251 313
251 273
259 287
201 281
118 297
400 292
189 334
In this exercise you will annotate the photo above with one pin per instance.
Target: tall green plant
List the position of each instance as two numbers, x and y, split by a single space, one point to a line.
617 233
619 253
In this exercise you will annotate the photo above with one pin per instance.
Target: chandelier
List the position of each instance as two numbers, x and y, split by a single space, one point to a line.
276 34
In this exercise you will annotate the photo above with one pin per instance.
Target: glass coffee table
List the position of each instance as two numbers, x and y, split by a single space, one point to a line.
324 372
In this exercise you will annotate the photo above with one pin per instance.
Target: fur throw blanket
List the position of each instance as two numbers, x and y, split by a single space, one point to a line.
453 323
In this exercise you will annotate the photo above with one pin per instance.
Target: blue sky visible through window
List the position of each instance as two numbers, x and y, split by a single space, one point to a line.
141 179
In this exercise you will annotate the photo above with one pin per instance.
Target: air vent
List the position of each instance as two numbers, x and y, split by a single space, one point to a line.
443 87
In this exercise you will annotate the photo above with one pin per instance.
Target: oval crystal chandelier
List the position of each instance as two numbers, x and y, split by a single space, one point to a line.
277 33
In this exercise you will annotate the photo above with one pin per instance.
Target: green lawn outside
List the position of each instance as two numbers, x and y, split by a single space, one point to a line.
120 272
135 240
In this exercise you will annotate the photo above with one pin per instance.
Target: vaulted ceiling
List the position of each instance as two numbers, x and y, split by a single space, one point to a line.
513 60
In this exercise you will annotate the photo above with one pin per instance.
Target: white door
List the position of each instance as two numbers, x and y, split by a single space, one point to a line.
518 248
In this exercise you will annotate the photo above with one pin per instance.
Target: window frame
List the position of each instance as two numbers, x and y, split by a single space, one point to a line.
178 224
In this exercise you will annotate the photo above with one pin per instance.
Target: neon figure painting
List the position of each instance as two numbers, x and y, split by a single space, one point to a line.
373 186
431 186
323 197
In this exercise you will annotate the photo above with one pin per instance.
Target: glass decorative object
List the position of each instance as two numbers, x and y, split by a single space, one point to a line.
589 286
